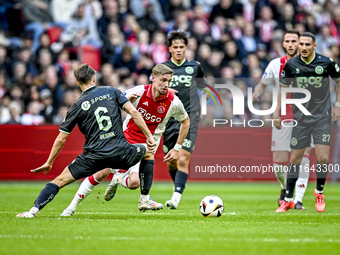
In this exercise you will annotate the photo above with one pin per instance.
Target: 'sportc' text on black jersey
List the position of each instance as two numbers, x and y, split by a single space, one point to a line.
97 114
183 80
313 76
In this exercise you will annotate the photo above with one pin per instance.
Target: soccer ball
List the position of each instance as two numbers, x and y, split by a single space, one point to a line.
211 206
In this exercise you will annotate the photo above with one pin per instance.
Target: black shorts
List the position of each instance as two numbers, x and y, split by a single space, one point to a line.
171 134
321 131
86 164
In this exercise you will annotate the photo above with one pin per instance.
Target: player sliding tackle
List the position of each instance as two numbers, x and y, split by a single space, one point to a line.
156 105
100 122
310 71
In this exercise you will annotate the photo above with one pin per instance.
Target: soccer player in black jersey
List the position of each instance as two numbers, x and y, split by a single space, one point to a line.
97 114
184 84
310 71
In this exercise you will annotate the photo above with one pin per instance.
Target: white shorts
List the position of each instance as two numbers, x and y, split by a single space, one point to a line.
281 138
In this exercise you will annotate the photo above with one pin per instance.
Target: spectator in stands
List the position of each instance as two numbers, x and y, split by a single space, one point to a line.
5 115
203 53
25 56
3 83
180 22
81 30
324 40
287 20
32 117
5 61
44 59
130 29
151 10
231 52
52 83
105 73
47 109
113 43
144 65
70 82
63 64
171 8
125 63
111 14
61 115
63 10
247 43
147 21
15 112
214 63
158 48
45 44
19 71
266 25
225 8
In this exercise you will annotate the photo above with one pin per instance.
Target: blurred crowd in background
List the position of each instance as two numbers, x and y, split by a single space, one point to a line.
42 42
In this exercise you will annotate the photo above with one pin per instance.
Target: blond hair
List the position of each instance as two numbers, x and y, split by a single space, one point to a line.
161 69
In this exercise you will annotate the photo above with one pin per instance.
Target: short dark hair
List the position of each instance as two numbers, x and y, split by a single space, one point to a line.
292 31
84 74
177 35
308 34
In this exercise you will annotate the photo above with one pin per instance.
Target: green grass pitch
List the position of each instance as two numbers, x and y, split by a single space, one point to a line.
249 224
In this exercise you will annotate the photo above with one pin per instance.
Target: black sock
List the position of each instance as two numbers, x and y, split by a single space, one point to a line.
292 176
146 176
173 174
46 195
321 175
180 181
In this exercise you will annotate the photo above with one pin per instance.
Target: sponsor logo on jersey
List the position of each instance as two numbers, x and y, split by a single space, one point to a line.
148 116
319 69
304 82
161 109
177 79
283 74
189 70
146 103
85 105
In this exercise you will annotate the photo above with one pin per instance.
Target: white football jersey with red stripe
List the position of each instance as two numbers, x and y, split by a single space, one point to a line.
271 77
156 114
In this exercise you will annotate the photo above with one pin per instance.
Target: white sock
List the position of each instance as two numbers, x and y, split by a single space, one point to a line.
125 182
176 196
145 198
318 191
34 210
280 174
84 190
301 183
288 199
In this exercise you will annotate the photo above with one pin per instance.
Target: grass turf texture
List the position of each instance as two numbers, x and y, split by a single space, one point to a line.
249 224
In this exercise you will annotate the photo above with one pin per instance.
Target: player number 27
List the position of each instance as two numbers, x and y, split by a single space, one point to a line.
326 137
100 119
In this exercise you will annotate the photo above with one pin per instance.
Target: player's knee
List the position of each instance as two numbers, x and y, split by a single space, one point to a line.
323 159
134 182
101 175
182 162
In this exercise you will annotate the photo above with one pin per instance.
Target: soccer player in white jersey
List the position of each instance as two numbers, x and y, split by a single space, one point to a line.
156 104
281 137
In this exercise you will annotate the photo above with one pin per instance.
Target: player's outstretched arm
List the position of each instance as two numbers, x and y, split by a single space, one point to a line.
137 118
277 119
183 131
258 91
336 109
56 149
